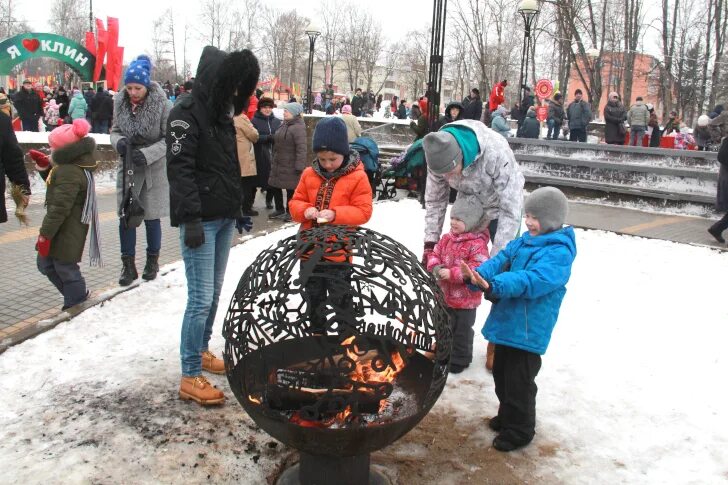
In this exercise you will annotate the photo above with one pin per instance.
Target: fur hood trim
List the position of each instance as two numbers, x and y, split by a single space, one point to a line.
148 117
81 153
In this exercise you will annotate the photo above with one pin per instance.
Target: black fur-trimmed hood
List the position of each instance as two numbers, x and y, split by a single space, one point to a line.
81 153
219 74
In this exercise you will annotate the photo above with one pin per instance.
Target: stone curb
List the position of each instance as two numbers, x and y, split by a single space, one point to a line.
106 294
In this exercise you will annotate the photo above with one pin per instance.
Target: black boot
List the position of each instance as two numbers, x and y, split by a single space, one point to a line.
151 268
716 232
128 271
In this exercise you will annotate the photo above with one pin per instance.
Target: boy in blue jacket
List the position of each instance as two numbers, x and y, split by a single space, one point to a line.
526 283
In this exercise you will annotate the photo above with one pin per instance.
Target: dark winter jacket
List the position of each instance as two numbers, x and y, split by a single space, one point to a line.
702 136
447 117
579 115
721 200
419 127
656 132
472 108
102 106
357 103
28 104
718 126
615 115
63 101
202 160
556 112
402 112
11 162
528 279
526 103
65 198
266 126
531 127
289 154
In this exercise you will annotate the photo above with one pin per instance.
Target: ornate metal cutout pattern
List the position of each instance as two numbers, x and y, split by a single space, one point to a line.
336 297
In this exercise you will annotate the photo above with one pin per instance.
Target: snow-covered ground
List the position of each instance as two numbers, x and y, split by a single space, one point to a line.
632 388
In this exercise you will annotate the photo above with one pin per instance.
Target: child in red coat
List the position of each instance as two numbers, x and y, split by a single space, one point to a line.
460 245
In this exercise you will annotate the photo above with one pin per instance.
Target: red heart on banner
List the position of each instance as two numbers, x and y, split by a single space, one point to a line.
31 44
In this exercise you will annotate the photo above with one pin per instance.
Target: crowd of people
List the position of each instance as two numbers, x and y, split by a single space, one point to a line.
44 108
200 154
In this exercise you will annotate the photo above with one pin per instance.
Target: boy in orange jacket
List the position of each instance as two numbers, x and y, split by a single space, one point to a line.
334 190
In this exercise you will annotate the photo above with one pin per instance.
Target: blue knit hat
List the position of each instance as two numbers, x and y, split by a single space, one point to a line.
331 135
138 71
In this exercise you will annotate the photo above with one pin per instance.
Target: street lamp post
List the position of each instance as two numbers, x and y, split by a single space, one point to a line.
313 32
529 10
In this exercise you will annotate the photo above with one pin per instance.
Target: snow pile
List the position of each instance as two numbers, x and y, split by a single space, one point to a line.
629 390
42 137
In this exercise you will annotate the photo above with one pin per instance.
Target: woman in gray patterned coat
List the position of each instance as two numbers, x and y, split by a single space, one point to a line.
139 130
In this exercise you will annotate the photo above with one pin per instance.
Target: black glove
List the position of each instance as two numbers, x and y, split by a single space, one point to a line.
121 146
245 222
194 235
138 158
429 246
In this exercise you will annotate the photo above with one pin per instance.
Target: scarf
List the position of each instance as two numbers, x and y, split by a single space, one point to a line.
90 215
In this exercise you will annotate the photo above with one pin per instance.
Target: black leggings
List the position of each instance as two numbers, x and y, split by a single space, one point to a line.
278 197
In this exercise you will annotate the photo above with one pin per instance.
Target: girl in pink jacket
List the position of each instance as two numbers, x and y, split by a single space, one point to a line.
458 245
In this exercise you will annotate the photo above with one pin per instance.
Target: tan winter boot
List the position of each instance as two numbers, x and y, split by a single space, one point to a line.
210 363
489 354
200 390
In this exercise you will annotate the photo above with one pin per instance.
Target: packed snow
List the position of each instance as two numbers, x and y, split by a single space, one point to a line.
630 389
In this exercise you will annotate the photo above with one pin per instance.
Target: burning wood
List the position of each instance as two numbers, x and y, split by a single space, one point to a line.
359 381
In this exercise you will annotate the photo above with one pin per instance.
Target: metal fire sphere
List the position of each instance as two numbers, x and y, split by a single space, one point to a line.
337 341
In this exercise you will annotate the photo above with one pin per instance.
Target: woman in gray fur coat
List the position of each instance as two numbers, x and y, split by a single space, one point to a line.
138 135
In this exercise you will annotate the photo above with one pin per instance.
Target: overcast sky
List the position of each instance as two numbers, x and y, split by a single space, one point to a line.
397 17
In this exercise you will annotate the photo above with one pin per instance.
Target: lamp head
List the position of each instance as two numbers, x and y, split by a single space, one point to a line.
313 30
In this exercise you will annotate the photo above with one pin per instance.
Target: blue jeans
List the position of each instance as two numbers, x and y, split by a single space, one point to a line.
101 126
553 129
66 277
29 124
205 272
154 238
636 134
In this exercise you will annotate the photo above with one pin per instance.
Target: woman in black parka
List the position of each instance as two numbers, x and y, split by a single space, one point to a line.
266 124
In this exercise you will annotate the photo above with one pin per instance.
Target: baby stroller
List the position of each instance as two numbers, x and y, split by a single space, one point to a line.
408 169
369 153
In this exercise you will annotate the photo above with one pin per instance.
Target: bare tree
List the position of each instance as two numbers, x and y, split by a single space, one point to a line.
163 67
720 16
244 23
586 23
633 22
331 31
214 21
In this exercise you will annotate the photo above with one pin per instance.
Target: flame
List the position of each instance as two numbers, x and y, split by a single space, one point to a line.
254 399
364 373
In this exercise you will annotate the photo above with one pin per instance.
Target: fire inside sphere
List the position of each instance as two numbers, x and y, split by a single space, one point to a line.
335 329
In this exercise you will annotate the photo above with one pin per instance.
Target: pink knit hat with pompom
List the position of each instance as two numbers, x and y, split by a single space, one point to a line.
346 109
66 134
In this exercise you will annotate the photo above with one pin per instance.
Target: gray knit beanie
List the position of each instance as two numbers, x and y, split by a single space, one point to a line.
549 206
442 152
468 209
296 109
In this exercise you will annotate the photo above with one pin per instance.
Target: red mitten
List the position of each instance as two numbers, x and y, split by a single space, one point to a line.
42 161
43 246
